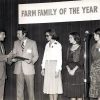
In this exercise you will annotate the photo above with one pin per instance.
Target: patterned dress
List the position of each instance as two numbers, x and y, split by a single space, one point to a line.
95 73
74 85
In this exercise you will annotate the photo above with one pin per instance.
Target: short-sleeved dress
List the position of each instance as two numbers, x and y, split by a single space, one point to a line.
74 85
95 73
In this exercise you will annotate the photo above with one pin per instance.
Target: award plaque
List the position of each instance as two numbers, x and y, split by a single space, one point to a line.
20 58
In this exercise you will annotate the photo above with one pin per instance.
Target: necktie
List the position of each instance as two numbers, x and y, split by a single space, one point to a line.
22 46
2 48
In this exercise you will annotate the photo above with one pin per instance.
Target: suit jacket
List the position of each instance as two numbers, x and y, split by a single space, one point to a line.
30 52
3 59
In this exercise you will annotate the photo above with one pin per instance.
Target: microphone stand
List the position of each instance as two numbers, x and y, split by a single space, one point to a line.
86 63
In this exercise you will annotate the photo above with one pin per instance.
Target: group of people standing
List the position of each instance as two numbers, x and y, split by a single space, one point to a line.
73 86
52 66
25 54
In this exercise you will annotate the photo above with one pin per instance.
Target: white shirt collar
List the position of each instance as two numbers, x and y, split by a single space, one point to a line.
55 42
25 41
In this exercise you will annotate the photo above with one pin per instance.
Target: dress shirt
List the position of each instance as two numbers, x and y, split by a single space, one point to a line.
24 42
53 52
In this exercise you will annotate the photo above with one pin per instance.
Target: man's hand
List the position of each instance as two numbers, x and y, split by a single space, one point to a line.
10 55
28 61
14 60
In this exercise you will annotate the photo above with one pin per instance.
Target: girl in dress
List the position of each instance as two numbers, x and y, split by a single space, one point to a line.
74 85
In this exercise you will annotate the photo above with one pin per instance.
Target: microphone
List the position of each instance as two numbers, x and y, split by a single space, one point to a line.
86 35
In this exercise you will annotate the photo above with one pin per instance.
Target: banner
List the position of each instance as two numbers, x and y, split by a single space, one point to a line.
66 11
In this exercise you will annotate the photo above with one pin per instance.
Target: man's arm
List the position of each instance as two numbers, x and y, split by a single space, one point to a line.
35 53
11 59
3 58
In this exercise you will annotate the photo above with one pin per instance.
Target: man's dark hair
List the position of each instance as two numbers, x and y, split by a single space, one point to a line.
24 31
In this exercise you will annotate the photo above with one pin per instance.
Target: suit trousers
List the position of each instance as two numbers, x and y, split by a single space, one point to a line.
29 79
2 84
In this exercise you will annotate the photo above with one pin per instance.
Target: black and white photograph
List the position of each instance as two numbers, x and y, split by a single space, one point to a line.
49 50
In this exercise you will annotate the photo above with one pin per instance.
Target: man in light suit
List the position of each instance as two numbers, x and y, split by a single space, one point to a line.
24 69
3 59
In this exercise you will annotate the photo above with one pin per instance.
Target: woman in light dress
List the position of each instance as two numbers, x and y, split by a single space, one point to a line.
52 66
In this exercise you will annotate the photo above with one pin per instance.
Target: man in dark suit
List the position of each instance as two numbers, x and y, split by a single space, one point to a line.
24 69
3 59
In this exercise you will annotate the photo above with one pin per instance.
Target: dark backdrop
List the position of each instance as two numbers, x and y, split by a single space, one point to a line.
9 22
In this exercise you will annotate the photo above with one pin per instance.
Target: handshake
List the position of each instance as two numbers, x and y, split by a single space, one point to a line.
11 57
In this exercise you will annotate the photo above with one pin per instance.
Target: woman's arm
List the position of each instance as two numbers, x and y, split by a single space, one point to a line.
72 71
44 58
59 58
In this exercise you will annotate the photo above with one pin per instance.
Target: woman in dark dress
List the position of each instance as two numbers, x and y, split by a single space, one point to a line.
95 67
74 86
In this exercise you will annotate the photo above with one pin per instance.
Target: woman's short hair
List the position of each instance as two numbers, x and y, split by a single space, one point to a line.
76 36
97 31
52 33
